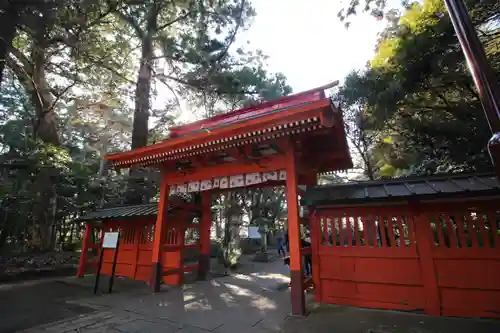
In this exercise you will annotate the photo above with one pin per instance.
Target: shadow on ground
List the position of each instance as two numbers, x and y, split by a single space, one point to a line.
25 306
331 318
250 301
33 303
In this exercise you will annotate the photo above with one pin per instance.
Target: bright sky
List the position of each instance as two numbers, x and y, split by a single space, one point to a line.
306 41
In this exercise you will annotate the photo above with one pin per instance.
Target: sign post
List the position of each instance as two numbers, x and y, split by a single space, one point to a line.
111 241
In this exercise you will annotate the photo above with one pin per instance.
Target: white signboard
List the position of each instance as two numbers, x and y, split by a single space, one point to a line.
253 232
110 240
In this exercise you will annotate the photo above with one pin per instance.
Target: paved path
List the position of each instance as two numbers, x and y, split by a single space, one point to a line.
250 302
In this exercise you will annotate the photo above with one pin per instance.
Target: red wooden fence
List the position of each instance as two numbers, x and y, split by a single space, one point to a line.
136 244
443 260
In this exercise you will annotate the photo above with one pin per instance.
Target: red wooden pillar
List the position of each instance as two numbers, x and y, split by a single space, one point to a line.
205 226
82 265
296 274
160 227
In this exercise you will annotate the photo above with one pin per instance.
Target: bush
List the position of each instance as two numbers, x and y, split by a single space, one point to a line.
72 247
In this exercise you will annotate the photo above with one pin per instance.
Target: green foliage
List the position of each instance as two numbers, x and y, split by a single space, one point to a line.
417 90
71 94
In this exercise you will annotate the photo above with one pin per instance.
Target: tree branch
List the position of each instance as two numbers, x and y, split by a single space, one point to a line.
27 64
177 19
233 35
200 88
61 94
140 33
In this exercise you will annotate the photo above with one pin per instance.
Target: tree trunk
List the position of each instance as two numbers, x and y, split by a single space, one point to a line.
4 231
9 21
140 129
142 96
71 232
34 81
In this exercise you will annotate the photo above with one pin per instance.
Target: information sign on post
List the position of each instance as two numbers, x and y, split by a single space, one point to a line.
111 241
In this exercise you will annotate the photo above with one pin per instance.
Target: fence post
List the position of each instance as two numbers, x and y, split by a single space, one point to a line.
424 237
82 265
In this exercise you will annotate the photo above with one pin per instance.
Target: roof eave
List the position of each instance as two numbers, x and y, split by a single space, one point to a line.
315 110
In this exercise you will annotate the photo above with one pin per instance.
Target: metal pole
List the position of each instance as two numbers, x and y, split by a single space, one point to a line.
482 73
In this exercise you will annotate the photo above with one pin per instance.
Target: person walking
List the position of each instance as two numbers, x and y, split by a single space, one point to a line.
287 243
281 244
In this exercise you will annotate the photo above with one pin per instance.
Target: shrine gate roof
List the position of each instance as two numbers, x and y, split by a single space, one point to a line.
299 114
129 211
403 189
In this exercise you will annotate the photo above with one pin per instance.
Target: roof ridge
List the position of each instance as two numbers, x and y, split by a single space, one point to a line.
376 182
128 206
442 186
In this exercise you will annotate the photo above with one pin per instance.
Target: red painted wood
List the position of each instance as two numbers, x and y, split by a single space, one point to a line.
381 228
241 114
297 293
449 272
366 233
367 252
402 238
423 234
85 250
137 236
304 112
494 230
356 231
390 225
472 231
272 163
460 230
482 231
348 230
470 303
439 230
340 228
159 233
373 230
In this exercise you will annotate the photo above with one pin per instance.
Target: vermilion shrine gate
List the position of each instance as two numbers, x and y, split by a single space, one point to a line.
284 142
419 244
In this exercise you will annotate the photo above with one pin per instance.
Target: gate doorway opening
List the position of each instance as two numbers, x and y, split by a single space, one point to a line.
286 142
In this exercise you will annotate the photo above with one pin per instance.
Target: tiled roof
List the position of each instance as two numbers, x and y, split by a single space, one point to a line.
407 188
121 212
289 115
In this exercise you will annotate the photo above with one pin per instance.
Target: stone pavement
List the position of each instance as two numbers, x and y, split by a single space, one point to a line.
250 302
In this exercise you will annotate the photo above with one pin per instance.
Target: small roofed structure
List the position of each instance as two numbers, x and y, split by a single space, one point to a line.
427 244
136 225
288 141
